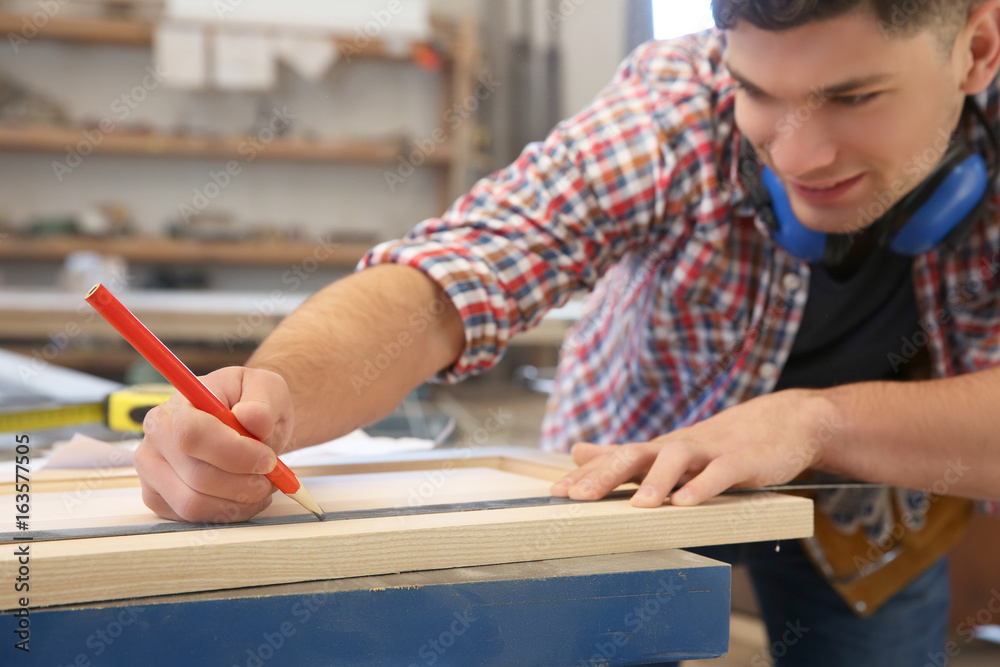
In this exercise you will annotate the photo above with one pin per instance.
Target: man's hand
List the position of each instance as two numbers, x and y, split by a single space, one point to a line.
195 468
767 440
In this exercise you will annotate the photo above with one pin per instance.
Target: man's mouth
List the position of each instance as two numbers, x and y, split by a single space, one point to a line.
825 192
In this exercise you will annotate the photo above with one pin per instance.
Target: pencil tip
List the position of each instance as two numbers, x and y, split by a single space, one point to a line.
305 499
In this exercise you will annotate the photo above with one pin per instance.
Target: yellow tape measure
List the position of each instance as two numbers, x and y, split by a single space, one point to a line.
122 411
46 418
127 408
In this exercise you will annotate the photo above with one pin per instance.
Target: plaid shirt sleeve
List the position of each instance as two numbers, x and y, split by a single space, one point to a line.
622 174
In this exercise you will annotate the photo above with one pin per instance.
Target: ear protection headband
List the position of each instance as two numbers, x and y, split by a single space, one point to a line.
943 208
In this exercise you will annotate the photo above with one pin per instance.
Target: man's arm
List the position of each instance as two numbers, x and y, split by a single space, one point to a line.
355 349
939 435
936 434
349 354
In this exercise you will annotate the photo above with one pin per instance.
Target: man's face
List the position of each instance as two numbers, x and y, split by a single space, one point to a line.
849 118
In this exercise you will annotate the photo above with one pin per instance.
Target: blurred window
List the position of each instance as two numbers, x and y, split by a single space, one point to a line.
673 18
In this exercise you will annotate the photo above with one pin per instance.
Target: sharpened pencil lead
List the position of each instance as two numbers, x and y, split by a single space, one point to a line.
304 498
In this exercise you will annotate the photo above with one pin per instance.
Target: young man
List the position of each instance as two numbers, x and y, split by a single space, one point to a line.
712 355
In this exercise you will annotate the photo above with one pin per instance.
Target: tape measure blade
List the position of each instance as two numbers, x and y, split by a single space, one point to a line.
39 419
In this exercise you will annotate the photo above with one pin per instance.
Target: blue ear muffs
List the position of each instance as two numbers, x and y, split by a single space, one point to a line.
792 235
949 206
942 209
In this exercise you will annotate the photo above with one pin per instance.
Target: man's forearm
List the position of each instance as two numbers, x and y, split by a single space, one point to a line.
356 348
940 435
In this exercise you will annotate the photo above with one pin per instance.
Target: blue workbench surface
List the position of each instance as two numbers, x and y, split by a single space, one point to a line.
628 609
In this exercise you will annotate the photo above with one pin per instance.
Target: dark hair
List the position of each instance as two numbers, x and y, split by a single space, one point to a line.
900 18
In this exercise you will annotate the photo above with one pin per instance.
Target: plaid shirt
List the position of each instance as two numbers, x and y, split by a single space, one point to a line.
692 307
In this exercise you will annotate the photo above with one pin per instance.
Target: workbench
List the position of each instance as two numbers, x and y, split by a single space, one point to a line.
555 584
567 584
632 609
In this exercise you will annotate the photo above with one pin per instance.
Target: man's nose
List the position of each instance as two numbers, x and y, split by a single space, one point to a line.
802 149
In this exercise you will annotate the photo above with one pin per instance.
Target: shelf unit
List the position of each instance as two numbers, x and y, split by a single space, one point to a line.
179 252
46 138
454 45
140 33
452 52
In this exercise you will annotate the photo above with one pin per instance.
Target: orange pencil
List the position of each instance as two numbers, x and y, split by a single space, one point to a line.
184 381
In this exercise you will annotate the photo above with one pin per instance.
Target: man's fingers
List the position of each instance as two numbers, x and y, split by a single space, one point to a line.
719 475
207 456
672 461
198 435
227 383
195 468
602 474
584 452
173 499
265 408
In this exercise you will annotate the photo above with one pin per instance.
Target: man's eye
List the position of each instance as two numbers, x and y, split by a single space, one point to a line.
752 93
855 100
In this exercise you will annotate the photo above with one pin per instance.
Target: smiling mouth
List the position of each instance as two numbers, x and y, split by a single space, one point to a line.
824 188
829 193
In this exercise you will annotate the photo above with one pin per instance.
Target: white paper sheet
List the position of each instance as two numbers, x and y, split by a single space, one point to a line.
85 452
179 52
244 60
308 55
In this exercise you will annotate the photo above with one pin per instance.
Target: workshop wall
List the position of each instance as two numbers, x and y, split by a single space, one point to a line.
365 100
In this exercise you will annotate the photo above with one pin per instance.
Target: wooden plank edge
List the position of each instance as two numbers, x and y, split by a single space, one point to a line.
82 571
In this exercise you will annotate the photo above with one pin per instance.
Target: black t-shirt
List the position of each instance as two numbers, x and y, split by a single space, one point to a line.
852 327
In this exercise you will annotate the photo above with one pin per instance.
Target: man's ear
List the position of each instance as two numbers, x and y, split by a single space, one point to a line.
980 39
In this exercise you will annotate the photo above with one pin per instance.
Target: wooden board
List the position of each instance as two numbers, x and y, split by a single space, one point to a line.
86 570
638 609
